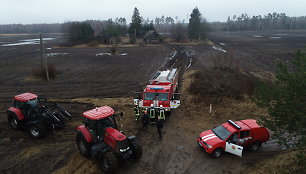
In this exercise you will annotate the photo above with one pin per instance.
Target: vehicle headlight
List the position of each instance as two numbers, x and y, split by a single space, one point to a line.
124 150
209 146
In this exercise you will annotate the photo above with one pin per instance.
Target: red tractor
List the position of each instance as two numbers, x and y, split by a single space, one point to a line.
233 137
99 138
35 115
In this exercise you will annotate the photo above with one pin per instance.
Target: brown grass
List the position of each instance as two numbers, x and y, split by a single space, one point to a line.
286 162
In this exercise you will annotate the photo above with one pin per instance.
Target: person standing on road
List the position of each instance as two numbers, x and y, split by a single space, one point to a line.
161 112
160 125
145 120
137 112
152 114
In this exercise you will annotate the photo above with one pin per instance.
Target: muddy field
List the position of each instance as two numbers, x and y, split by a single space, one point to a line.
87 78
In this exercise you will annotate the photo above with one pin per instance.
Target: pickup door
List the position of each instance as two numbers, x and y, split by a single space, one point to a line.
234 149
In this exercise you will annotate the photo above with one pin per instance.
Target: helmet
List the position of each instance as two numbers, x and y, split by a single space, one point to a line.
161 106
152 105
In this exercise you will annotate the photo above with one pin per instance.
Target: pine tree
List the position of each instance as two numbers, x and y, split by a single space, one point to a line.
194 26
135 26
285 100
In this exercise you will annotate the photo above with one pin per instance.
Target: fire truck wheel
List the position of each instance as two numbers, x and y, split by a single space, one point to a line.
37 130
83 145
255 146
13 122
108 162
217 153
137 150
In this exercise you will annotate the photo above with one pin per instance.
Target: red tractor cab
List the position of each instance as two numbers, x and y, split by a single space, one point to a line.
35 114
233 137
99 138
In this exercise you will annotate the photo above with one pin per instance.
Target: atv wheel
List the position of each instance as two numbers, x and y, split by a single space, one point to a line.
14 122
217 153
255 146
108 162
137 150
37 130
83 145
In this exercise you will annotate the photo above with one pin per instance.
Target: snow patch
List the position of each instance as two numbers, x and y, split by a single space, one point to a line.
275 37
109 54
56 54
219 49
223 44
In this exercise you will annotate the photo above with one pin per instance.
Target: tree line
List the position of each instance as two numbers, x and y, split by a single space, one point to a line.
111 31
271 21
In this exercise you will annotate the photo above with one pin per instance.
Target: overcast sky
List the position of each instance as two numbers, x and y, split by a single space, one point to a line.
52 11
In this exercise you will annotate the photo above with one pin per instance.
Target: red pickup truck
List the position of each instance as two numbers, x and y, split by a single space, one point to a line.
233 137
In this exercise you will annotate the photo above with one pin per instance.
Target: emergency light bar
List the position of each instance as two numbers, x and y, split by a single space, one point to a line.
157 88
234 124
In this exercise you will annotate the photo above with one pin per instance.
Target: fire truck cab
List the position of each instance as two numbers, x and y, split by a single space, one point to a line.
160 92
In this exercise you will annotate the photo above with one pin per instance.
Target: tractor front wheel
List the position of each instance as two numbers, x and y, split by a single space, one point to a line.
14 122
37 130
108 162
137 150
83 145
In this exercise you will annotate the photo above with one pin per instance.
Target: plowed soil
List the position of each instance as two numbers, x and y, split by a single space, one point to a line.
85 80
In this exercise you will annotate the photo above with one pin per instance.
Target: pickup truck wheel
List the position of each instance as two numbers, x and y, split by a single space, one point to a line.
14 122
255 146
217 153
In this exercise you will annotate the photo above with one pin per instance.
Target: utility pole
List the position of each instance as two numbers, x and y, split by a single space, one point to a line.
41 59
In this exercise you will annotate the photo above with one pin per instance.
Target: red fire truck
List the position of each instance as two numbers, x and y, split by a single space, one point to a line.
160 92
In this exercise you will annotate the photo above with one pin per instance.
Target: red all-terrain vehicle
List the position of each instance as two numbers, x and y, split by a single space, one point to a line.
233 137
35 115
99 138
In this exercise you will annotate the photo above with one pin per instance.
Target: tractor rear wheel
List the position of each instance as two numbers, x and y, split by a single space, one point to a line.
37 130
108 162
83 145
137 150
14 122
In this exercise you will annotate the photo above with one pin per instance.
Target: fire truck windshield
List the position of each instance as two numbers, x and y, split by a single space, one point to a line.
159 96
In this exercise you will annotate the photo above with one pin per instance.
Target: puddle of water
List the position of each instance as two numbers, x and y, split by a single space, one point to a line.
257 36
223 44
219 49
27 42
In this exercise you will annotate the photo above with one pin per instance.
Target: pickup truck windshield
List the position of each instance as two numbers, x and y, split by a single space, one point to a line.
221 132
159 96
